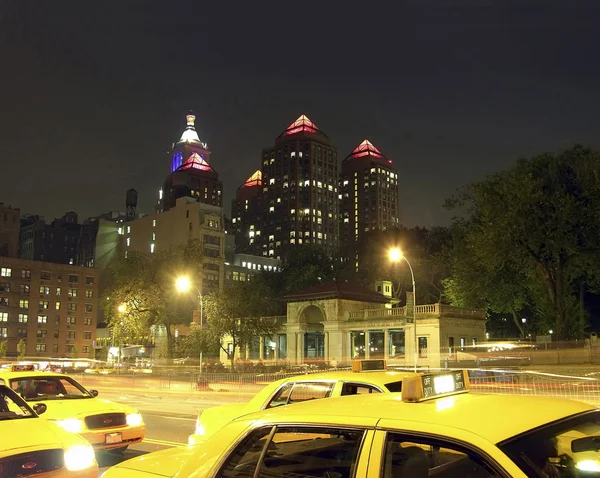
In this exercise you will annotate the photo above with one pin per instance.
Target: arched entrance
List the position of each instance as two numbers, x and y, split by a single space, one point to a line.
312 318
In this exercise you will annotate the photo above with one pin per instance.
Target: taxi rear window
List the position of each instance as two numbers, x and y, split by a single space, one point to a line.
394 386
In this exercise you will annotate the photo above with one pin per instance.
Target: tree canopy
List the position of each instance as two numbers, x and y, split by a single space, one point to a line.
530 234
241 313
142 292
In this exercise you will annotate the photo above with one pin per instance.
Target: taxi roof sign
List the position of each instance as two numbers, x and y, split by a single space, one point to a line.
22 367
436 385
368 365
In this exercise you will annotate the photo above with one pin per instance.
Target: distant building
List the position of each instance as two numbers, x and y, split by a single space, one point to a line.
9 231
369 196
52 307
191 173
55 242
294 198
188 219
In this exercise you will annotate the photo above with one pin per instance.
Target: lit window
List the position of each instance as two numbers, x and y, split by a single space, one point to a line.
153 222
272 209
272 181
278 200
340 196
152 248
307 211
120 231
128 229
307 182
5 272
292 211
346 182
160 193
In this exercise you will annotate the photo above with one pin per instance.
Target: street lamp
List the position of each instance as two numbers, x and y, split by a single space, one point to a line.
524 322
396 255
121 310
183 284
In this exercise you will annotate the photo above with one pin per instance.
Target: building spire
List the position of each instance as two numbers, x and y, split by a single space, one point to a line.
190 135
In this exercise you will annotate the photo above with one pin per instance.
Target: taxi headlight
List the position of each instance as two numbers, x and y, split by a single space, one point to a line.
79 457
588 465
72 425
134 419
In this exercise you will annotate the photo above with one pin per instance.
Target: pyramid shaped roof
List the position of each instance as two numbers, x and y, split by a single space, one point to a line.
195 161
302 125
254 180
367 149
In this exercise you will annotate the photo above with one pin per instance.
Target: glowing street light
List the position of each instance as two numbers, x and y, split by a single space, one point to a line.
183 284
396 255
122 309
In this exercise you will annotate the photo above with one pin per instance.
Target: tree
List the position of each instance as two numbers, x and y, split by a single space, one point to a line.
92 353
74 351
21 349
241 312
3 345
537 224
142 293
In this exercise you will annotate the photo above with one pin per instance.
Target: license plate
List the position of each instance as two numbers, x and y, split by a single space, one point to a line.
113 438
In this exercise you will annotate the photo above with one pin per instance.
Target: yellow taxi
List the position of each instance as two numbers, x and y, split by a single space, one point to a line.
104 424
434 427
367 376
32 446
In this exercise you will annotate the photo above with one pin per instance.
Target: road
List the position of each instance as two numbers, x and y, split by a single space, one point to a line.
170 418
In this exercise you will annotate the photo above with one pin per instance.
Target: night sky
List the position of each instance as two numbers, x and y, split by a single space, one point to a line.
94 93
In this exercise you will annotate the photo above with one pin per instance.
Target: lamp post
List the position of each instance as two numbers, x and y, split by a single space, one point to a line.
396 255
524 322
121 309
183 284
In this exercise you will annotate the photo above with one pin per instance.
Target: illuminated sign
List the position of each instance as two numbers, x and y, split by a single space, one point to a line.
429 386
368 365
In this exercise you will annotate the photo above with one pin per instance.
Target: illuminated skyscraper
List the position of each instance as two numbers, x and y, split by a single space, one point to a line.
296 198
369 196
191 174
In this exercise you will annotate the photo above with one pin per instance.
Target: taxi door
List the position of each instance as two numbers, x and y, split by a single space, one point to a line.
426 450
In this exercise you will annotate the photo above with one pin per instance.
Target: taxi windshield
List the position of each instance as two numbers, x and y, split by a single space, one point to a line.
48 388
12 406
566 448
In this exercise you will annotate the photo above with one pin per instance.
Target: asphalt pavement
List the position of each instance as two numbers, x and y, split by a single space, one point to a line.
170 418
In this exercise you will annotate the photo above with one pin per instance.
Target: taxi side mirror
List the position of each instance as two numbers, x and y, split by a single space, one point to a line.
94 393
40 408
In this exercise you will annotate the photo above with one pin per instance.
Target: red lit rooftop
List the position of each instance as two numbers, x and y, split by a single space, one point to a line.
302 125
367 149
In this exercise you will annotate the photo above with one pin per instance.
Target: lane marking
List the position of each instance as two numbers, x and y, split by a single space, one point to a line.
163 442
156 415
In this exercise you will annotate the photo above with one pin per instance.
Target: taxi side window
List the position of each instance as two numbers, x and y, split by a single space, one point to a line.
358 389
406 457
281 396
303 391
296 452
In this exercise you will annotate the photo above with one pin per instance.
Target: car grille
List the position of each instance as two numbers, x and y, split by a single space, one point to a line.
26 464
105 420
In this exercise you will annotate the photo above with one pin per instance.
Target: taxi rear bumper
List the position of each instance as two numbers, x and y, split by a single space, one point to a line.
114 438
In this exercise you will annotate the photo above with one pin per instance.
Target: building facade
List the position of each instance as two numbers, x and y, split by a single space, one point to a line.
340 322
51 307
188 219
369 197
9 231
191 173
298 203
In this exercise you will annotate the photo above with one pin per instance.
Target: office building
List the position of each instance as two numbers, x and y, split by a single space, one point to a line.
191 173
369 196
9 231
298 201
188 219
51 307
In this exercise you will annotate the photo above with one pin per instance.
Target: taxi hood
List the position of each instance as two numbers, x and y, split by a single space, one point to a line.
47 435
161 463
80 407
